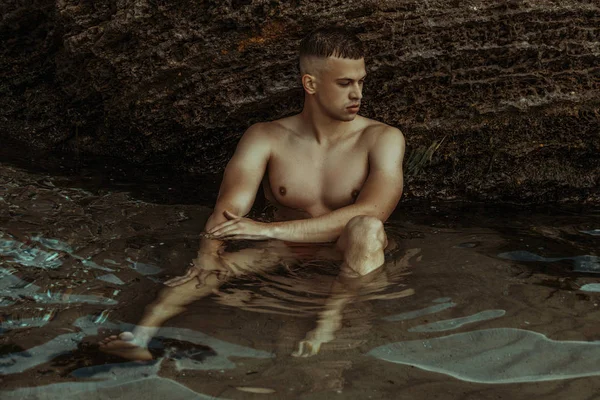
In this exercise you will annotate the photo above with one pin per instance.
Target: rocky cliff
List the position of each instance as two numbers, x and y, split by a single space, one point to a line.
498 100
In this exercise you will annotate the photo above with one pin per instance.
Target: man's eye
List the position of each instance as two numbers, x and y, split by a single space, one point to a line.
344 83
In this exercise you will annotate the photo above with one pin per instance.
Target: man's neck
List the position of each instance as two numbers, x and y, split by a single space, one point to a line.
322 127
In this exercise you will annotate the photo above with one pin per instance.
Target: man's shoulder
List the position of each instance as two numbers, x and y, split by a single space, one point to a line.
386 144
376 131
267 130
258 133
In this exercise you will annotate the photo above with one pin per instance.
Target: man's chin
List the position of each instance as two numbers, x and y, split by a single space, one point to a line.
343 117
348 117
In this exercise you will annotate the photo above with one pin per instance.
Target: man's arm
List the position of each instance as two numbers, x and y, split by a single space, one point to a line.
378 198
241 179
237 193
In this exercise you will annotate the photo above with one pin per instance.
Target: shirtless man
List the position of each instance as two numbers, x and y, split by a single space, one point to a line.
332 175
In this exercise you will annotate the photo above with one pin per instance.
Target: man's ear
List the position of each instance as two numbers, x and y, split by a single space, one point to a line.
309 82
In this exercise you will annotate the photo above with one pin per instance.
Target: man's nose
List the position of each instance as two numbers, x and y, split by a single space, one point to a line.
356 93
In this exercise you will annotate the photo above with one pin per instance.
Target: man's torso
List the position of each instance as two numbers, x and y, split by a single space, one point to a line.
304 179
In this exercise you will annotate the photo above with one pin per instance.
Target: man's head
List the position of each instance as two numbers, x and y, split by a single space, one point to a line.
333 70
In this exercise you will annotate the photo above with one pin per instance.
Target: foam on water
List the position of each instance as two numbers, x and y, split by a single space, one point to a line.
502 355
456 323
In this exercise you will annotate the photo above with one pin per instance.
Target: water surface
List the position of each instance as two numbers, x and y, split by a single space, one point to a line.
81 258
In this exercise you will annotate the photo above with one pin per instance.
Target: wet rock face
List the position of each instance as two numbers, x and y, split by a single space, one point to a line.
498 100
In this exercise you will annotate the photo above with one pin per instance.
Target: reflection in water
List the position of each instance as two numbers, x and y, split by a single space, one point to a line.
52 244
467 245
13 363
442 300
12 287
502 355
342 292
593 232
111 278
590 287
141 380
25 323
143 268
449 324
585 263
27 256
256 390
30 256
419 313
218 359
323 294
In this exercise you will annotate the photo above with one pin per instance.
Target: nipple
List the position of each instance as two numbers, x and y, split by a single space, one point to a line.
282 191
355 193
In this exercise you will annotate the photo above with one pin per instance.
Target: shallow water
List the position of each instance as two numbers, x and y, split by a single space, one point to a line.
477 302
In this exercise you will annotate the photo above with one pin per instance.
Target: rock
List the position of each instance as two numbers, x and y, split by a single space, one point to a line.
498 100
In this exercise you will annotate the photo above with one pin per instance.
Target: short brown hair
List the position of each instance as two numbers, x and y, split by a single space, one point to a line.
332 41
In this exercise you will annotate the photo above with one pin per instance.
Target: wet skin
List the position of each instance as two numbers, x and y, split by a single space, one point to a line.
332 176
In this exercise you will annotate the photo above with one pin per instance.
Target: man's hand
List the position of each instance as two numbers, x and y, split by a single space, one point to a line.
236 228
201 269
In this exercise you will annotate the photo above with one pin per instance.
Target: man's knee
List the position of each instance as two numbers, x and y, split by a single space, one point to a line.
365 229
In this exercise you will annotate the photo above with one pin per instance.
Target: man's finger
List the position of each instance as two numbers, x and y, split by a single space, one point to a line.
227 230
221 226
240 237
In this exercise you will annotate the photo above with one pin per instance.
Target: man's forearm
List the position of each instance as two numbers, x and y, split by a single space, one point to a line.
325 228
208 246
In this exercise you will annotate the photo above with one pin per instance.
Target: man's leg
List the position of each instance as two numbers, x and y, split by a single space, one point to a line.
362 244
172 301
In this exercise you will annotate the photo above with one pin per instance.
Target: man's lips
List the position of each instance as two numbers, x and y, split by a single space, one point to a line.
354 107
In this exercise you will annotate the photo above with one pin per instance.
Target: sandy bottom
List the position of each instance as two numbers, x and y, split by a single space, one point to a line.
474 304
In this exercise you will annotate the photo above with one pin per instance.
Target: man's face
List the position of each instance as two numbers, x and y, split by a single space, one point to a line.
339 87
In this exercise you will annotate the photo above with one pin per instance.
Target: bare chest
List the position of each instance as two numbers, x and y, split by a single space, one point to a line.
316 182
